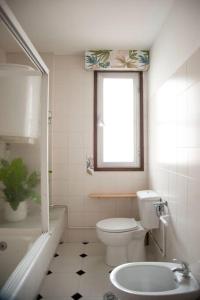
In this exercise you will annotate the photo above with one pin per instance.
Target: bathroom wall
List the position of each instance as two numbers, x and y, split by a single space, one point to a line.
174 123
71 102
2 56
72 143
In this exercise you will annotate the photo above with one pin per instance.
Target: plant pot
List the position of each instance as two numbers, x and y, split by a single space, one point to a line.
15 215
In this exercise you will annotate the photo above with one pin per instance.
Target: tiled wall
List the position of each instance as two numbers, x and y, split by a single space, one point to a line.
2 56
72 143
71 102
174 128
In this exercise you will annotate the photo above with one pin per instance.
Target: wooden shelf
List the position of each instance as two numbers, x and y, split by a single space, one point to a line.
113 195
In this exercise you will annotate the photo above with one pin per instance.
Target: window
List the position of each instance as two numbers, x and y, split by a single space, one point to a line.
118 121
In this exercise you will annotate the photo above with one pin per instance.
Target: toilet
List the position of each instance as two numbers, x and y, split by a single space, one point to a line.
124 237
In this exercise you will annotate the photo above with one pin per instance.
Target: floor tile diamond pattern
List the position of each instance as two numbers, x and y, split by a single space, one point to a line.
80 272
77 271
49 272
83 255
77 296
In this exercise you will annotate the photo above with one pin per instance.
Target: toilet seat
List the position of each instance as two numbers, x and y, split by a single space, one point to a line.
117 225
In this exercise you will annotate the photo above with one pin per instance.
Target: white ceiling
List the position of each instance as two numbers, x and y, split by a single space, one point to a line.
72 26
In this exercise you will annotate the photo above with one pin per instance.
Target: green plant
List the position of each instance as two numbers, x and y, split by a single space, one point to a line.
18 183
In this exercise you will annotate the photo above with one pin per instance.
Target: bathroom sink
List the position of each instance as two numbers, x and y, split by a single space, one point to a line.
152 280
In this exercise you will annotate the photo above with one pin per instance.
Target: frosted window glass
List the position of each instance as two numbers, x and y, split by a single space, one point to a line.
118 120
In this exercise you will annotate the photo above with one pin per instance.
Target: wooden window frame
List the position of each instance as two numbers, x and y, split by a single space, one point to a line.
141 143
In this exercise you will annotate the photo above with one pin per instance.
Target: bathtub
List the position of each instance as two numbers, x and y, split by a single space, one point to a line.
26 263
14 244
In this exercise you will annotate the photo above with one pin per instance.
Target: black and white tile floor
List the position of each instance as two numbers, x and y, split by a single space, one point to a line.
77 271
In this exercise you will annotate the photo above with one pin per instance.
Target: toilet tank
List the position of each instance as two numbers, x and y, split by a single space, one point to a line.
19 103
147 211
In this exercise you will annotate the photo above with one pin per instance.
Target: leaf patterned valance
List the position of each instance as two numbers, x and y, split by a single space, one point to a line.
137 60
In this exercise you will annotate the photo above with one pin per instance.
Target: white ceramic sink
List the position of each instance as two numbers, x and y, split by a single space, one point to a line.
152 280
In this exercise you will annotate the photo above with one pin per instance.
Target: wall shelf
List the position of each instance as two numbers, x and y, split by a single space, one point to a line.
113 195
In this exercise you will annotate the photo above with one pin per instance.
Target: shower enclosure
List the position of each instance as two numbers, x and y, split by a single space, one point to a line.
26 247
11 23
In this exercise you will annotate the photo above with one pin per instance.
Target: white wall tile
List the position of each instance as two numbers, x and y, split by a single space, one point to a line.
193 220
193 121
76 188
60 155
77 156
172 197
60 171
60 187
193 66
194 163
124 208
77 235
182 117
76 172
73 235
60 139
182 208
92 218
60 200
76 219
72 143
60 121
182 161
76 139
75 203
179 185
99 205
76 123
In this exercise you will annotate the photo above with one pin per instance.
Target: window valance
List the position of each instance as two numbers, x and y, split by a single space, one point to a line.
135 60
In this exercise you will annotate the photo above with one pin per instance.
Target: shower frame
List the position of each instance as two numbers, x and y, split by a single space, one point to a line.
13 26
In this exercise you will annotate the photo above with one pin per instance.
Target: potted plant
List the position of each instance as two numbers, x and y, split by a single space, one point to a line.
18 186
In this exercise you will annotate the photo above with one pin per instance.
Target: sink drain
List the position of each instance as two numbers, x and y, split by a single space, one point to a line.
3 246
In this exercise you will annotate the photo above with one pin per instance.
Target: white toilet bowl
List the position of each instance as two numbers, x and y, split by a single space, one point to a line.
124 239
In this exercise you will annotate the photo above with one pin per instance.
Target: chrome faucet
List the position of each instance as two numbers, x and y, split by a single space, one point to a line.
184 269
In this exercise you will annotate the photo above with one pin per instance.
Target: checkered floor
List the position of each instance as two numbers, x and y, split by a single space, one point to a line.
77 271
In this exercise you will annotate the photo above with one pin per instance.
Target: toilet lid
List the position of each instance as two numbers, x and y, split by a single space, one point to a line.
117 224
